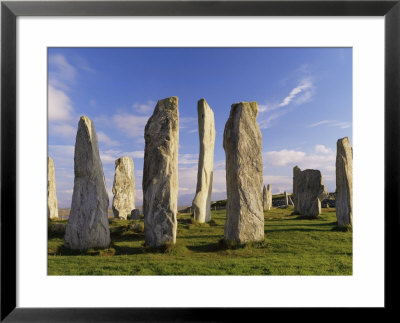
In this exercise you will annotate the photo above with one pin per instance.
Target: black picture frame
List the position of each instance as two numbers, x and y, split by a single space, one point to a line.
10 10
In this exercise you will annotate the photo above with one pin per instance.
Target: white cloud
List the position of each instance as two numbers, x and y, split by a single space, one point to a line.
322 149
323 158
102 137
111 155
187 122
144 108
302 93
319 123
59 105
279 184
268 121
186 159
64 130
331 123
130 125
61 69
283 157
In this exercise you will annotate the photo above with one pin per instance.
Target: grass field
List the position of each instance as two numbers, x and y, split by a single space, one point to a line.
292 246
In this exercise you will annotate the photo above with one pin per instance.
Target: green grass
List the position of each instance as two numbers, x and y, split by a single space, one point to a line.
292 246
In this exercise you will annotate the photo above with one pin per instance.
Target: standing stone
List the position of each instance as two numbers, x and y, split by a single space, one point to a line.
267 198
286 198
310 192
123 188
52 208
290 200
135 214
160 174
244 175
344 182
88 220
202 201
296 173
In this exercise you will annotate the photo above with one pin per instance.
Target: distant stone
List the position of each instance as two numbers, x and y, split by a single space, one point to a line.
310 191
57 228
344 182
88 220
290 200
123 188
202 201
296 173
267 198
135 214
286 198
244 175
52 208
160 174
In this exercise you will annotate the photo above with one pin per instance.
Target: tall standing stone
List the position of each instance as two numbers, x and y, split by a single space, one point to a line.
310 191
202 201
52 208
244 171
296 173
344 182
123 188
267 198
160 174
88 220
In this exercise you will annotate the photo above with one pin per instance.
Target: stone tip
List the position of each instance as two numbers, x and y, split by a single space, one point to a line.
88 123
170 103
252 105
344 139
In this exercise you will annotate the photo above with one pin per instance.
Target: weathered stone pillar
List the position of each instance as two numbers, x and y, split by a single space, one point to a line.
123 188
296 172
244 171
286 198
160 174
344 182
310 192
52 208
202 201
267 198
88 220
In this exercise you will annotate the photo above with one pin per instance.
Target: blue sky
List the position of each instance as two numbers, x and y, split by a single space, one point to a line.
304 97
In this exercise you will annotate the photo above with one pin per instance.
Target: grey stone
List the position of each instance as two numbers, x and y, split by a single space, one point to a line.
344 182
160 174
135 214
267 198
52 207
286 198
88 221
202 200
244 175
123 188
310 191
296 172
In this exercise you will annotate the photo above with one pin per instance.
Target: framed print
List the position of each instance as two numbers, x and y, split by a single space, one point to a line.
95 85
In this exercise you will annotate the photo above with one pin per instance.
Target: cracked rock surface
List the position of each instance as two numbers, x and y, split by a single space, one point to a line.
202 201
244 174
88 225
160 174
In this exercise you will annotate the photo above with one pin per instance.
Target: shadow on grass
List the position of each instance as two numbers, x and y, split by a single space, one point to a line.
64 251
210 247
334 223
297 230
